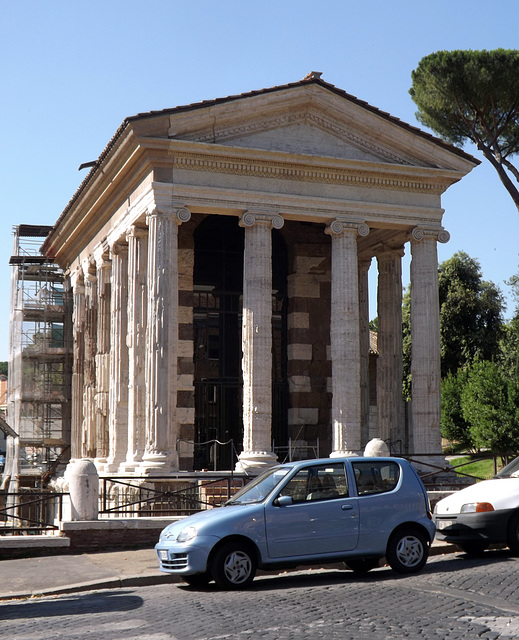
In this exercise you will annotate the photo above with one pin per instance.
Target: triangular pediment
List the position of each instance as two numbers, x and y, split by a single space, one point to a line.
309 120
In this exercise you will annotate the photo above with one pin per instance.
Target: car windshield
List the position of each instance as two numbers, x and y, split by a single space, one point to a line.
510 471
260 487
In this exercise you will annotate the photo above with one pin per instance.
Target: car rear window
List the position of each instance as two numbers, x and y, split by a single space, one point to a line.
375 476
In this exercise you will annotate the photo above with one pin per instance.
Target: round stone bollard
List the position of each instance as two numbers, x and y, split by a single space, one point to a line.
377 448
83 482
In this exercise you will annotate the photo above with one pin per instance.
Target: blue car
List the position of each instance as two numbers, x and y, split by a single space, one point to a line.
353 510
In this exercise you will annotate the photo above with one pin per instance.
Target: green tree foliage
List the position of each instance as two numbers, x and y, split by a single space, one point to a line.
473 96
471 313
454 427
490 405
3 368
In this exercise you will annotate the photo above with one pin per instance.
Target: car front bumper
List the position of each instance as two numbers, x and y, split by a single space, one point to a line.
490 526
185 558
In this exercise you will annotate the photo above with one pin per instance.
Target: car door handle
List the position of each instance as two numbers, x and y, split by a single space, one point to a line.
347 507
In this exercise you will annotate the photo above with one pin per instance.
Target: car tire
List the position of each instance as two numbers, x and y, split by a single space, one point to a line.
362 565
407 550
233 566
512 534
197 579
473 547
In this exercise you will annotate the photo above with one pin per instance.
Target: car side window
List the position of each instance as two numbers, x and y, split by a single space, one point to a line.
375 476
322 482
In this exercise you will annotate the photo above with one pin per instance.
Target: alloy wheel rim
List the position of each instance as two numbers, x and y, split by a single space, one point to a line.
409 551
237 567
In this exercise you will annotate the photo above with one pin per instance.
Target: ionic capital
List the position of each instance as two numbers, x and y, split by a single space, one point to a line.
77 280
102 256
250 218
428 233
179 214
136 232
339 226
118 248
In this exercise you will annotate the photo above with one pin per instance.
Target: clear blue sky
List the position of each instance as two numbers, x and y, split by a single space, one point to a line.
72 71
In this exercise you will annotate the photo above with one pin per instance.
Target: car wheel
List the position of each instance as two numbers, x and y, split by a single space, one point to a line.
197 579
473 547
512 534
362 565
233 566
407 550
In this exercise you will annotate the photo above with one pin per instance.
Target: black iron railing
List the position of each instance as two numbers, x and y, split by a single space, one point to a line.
33 512
165 496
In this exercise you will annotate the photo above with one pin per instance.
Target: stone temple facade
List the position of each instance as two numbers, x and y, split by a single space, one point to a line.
218 257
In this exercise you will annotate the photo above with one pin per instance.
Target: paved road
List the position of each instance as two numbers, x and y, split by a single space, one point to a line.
454 598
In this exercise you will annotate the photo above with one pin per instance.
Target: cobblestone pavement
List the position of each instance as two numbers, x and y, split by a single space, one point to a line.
453 598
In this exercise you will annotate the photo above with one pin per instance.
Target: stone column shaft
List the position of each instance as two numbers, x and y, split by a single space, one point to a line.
257 340
89 414
136 341
425 336
104 273
162 341
118 391
364 348
389 366
78 367
345 338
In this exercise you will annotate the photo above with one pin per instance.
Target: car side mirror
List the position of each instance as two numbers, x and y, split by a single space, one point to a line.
282 501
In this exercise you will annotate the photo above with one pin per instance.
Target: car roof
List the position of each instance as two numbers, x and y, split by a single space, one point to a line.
316 461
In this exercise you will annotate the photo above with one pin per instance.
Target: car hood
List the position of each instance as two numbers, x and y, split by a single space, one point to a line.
501 493
214 521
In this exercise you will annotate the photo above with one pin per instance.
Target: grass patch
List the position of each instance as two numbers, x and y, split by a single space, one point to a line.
483 468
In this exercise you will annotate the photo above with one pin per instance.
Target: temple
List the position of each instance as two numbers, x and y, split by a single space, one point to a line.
217 255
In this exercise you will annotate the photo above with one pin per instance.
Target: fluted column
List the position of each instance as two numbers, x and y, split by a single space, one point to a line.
89 388
257 341
104 289
78 366
160 453
389 363
118 391
425 336
345 337
136 342
364 265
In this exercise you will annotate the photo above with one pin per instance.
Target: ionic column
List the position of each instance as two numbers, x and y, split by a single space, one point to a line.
425 337
78 366
89 389
160 455
257 341
364 265
389 363
345 338
104 288
136 342
118 391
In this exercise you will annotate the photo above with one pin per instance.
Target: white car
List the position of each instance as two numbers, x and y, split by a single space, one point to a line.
483 514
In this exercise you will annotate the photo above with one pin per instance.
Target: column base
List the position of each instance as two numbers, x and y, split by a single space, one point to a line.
255 462
129 466
345 454
157 464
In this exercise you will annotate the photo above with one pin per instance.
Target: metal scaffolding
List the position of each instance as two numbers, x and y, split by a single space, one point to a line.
38 407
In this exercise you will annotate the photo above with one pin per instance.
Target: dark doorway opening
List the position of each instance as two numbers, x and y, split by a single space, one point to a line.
217 318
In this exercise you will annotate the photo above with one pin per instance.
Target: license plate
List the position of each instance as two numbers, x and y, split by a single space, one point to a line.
163 554
443 524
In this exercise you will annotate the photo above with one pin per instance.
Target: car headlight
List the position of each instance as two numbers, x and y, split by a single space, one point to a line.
476 507
187 534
